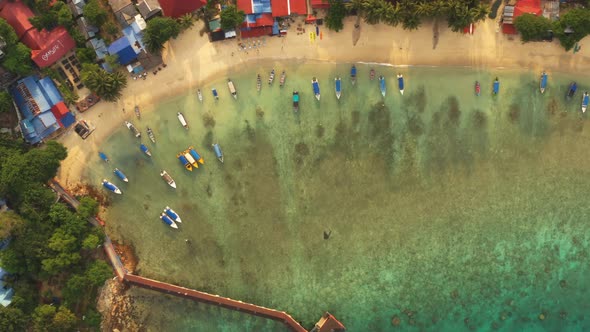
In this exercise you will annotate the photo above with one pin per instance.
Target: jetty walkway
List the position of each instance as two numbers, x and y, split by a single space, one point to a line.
327 323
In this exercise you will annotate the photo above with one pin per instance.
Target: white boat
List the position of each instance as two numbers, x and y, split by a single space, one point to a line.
150 133
190 159
271 78
182 120
200 95
168 179
133 129
168 221
232 89
585 100
283 78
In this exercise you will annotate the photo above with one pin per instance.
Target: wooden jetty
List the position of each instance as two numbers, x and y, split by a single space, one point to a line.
327 323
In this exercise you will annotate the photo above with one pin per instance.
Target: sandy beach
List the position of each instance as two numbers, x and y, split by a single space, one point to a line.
191 60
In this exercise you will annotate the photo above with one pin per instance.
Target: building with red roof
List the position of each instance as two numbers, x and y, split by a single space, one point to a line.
46 46
320 4
298 7
521 7
177 8
280 8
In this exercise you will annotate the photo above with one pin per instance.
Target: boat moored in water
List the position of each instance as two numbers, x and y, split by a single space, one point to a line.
200 95
168 179
184 162
572 90
232 89
382 85
182 120
150 133
111 187
496 86
543 83
338 87
168 221
295 101
137 112
190 158
271 77
218 152
258 83
400 83
196 155
172 214
283 78
477 88
145 150
585 99
215 95
372 74
353 74
103 157
134 130
316 88
120 175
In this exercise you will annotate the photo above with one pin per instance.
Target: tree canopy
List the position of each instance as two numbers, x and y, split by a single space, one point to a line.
572 27
5 102
17 56
95 14
108 86
532 27
231 17
336 14
158 31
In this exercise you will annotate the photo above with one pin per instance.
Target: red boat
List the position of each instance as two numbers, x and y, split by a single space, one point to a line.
477 88
372 74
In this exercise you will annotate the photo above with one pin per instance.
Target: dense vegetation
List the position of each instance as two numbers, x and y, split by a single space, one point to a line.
231 17
158 31
108 86
335 15
52 252
532 27
17 57
577 21
410 13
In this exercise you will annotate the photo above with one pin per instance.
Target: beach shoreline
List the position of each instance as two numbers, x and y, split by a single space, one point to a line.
192 60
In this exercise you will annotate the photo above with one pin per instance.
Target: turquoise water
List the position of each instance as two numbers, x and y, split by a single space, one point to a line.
447 211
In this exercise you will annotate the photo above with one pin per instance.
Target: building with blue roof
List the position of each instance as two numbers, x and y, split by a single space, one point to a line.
41 106
128 47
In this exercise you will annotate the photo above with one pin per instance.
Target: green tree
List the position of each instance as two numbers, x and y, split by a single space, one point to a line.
17 59
90 242
12 319
158 31
532 27
112 61
86 55
43 317
64 320
106 85
5 102
98 273
7 33
336 14
231 17
110 28
572 27
75 289
94 13
186 21
63 14
88 207
10 224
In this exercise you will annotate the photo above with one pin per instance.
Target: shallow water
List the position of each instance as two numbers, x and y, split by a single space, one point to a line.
446 210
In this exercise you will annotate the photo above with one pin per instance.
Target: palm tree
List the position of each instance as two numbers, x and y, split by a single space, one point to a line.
106 85
393 14
479 12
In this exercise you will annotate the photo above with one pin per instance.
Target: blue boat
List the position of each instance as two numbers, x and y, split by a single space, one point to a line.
543 84
496 86
103 157
172 214
196 155
316 88
400 83
382 85
120 175
145 150
184 162
111 187
353 74
218 152
572 90
215 95
168 221
295 101
338 83
585 100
